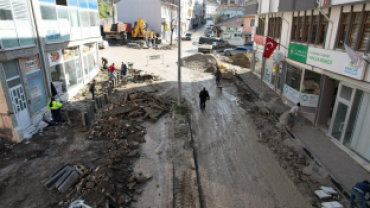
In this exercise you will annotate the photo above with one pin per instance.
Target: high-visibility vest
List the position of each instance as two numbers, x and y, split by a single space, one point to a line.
55 105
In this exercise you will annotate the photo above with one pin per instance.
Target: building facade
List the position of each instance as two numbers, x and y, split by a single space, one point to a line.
317 72
232 30
43 42
211 8
225 12
158 13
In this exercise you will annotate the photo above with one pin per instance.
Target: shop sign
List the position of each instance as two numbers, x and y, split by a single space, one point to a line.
298 52
31 64
259 39
309 100
36 86
55 57
52 36
291 93
334 61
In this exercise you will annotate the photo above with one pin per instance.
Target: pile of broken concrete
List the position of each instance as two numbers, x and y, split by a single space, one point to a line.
109 181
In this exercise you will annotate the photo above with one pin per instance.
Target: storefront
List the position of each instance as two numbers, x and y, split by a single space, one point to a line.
69 70
343 108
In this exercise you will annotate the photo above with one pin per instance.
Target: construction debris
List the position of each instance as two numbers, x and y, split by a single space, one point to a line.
199 61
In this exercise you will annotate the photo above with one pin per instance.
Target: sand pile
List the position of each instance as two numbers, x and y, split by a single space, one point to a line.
241 59
199 61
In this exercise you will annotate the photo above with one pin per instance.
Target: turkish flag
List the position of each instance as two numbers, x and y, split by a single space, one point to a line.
269 47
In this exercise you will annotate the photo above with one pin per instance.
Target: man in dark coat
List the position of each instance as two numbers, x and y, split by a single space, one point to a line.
203 95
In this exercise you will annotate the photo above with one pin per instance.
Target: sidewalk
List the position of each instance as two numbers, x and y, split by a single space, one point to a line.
342 168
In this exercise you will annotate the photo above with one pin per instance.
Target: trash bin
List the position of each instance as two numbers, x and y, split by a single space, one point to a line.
130 65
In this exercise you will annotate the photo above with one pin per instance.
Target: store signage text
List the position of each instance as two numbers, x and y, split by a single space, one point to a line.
335 61
259 39
309 100
291 93
31 64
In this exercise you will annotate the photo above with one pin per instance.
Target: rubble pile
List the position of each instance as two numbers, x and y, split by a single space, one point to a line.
110 181
241 59
199 61
301 169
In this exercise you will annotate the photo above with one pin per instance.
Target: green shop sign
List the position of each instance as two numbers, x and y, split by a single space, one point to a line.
298 52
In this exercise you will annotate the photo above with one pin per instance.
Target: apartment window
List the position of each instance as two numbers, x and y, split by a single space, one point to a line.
261 26
252 22
306 29
323 30
315 28
353 28
16 24
294 29
274 27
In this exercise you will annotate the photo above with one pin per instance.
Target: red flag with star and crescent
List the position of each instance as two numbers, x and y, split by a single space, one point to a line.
269 47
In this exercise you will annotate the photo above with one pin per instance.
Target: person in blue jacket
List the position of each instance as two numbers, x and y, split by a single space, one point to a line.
358 193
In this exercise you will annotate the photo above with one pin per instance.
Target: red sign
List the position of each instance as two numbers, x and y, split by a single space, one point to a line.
259 39
269 47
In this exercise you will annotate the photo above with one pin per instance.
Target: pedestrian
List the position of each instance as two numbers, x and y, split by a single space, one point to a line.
218 75
111 73
123 69
293 113
203 96
104 62
92 89
55 106
358 193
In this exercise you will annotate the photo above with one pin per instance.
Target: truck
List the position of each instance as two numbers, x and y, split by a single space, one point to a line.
205 45
141 30
117 31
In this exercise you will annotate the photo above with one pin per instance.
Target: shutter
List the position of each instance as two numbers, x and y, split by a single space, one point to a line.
20 10
23 22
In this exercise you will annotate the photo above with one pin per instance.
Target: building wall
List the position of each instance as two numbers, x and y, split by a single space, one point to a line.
232 34
129 11
246 25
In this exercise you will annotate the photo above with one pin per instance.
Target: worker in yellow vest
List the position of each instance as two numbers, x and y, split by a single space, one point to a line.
55 106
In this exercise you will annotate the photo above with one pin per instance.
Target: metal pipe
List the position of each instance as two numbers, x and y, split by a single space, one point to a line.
179 52
326 17
287 34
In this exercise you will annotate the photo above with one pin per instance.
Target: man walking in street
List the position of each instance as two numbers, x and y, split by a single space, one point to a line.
112 70
203 96
218 75
294 113
92 89
358 193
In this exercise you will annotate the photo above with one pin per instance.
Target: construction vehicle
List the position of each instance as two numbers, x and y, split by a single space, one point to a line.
141 30
117 31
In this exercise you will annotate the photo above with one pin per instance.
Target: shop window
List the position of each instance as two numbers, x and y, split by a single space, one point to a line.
293 77
311 83
346 92
71 74
11 69
64 23
58 78
61 2
353 118
79 72
258 63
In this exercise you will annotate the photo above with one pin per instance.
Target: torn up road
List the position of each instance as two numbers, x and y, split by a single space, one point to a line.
235 170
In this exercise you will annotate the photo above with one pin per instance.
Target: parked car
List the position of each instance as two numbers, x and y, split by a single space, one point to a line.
188 36
205 45
234 51
103 44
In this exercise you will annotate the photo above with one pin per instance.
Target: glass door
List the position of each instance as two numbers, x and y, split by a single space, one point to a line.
341 112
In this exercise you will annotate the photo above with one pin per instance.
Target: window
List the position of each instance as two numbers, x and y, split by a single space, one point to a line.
48 12
354 30
311 83
261 26
322 31
15 24
252 22
57 77
293 77
258 63
306 29
315 27
274 27
75 22
294 29
85 20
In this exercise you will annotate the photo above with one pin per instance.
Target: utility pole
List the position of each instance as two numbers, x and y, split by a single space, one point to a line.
179 52
114 22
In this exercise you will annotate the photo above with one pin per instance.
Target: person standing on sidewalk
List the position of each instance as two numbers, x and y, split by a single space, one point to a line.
92 89
294 113
123 69
203 95
54 107
358 193
112 69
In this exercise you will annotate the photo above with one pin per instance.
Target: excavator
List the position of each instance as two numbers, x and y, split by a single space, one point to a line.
140 30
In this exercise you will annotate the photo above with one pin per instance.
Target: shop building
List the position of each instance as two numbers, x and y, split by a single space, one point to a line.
316 71
43 42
